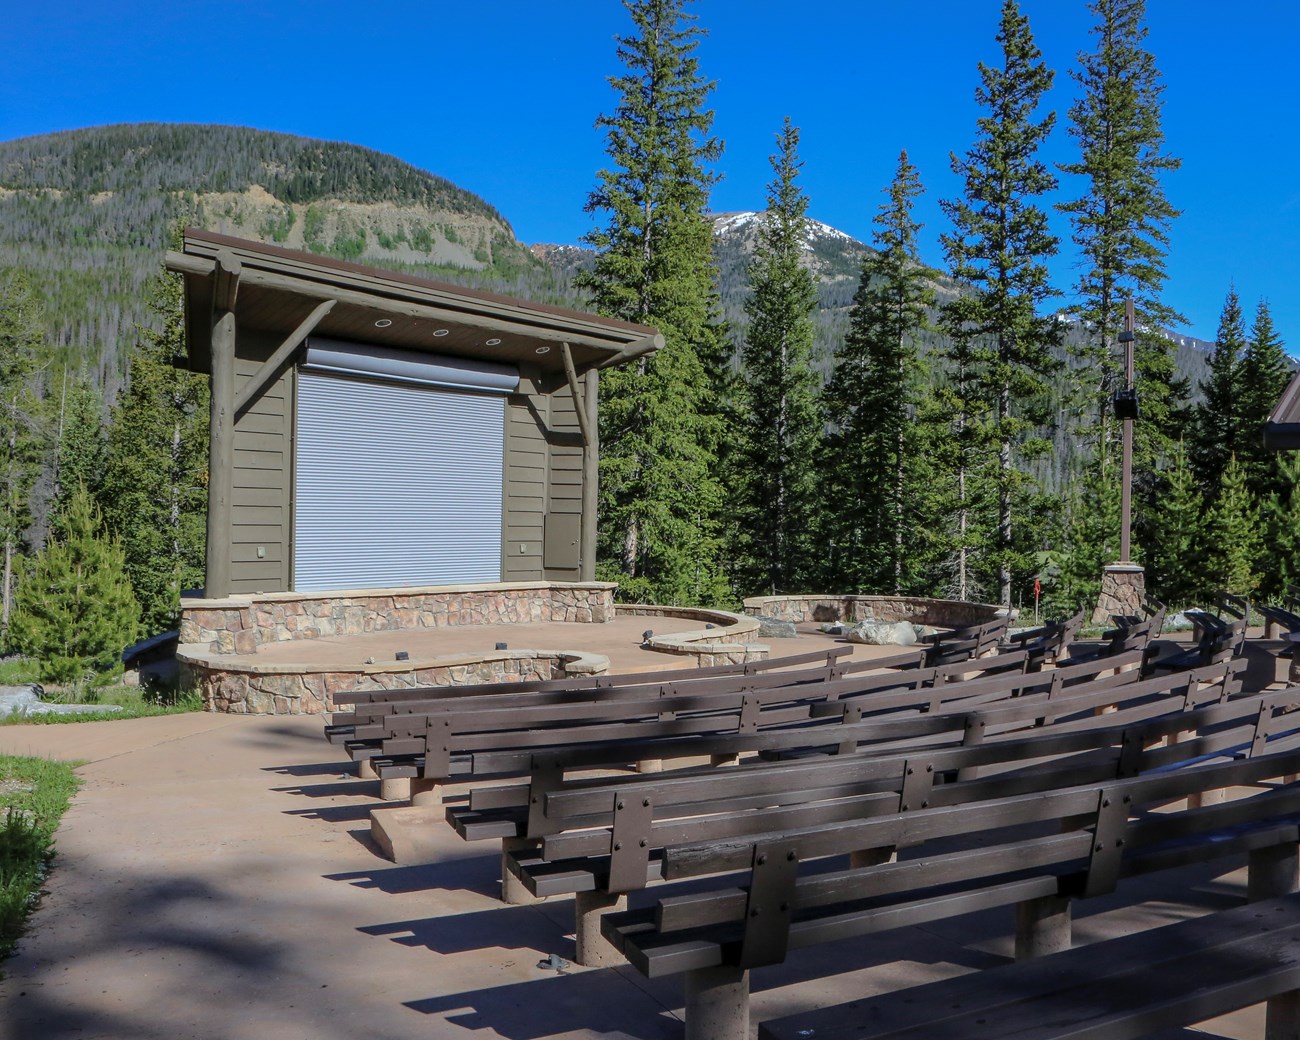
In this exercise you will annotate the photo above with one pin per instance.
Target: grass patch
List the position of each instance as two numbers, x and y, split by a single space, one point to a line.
34 794
18 670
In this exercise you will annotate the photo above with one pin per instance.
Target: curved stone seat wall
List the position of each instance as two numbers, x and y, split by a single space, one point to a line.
240 624
248 688
920 610
727 642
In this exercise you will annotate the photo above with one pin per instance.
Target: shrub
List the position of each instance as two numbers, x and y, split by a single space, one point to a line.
75 611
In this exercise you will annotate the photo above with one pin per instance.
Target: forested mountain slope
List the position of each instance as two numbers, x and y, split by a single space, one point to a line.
88 212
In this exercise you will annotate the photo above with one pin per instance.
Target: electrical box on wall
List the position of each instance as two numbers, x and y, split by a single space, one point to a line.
561 550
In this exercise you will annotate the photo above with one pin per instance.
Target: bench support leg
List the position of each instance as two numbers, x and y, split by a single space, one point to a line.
1042 927
397 789
426 792
717 1003
724 760
593 950
1273 872
514 891
365 770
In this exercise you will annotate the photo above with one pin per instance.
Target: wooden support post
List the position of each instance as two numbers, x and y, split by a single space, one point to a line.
593 950
1042 927
717 1003
221 430
590 475
1273 872
584 406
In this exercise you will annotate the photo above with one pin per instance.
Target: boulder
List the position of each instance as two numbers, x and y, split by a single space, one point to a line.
25 700
775 628
883 633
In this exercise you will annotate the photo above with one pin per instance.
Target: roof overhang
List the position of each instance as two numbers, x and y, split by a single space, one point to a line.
279 288
1282 431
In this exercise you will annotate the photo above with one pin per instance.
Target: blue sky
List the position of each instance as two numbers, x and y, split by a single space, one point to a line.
501 96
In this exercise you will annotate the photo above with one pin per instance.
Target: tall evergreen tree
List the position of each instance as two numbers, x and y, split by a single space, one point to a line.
1121 227
1280 565
778 428
660 495
1177 560
1216 420
75 612
154 488
1265 370
80 445
1233 553
999 246
22 432
871 405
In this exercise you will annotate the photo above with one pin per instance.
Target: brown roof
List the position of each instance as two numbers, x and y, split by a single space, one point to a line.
279 287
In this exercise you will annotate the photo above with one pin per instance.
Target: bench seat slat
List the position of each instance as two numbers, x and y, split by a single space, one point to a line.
1119 989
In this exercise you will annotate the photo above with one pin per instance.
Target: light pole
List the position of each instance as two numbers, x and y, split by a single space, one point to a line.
1123 583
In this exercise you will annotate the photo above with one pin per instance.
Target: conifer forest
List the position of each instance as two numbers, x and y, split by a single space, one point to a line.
823 418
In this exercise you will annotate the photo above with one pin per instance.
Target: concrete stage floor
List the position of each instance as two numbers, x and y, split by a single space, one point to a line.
215 881
619 640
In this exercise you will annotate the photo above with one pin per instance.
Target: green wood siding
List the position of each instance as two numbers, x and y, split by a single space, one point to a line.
260 508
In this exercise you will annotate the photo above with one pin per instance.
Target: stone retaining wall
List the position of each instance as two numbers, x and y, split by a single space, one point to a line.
920 610
240 624
248 689
726 643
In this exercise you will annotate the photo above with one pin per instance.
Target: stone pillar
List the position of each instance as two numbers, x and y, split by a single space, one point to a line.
1042 927
593 950
514 891
717 1003
1123 587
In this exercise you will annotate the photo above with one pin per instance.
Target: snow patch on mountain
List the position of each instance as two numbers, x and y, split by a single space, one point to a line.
730 223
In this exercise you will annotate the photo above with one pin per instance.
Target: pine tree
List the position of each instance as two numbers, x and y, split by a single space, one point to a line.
1265 370
1234 550
1091 538
660 496
1280 561
1216 420
873 506
80 444
22 431
1177 572
75 612
777 423
154 489
998 247
1121 227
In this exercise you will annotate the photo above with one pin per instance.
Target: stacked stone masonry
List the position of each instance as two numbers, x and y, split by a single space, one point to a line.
941 613
240 626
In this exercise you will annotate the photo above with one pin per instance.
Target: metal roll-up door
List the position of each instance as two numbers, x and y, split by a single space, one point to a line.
395 484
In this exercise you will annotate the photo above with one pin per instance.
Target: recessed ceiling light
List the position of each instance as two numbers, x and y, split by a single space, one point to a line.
440 332
383 323
543 349
494 342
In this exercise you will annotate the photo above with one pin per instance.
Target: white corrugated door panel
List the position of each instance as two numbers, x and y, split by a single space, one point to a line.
395 485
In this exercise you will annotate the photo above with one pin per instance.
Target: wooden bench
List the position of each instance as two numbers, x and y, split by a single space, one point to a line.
435 742
1120 989
1048 642
821 658
1036 852
965 643
598 838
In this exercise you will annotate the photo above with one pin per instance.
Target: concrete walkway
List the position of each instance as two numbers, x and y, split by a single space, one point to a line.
215 880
